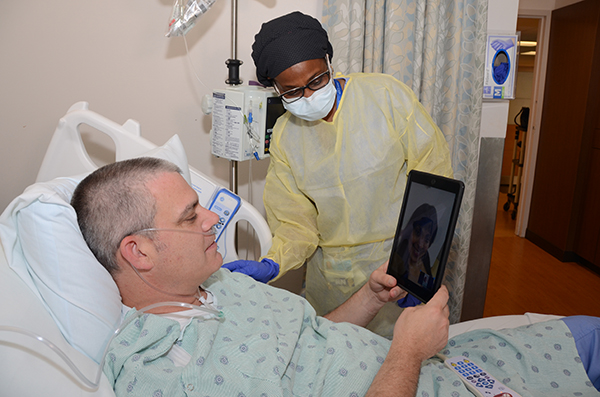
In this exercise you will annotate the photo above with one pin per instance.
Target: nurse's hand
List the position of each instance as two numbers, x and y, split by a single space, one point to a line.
408 301
262 271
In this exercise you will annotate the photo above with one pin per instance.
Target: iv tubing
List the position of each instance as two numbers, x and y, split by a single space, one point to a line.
93 385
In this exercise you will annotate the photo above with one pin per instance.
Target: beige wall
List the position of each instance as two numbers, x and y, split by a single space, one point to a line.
537 4
544 4
114 55
564 3
523 94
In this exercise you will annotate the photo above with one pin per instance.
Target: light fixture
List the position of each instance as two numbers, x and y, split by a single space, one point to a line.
528 43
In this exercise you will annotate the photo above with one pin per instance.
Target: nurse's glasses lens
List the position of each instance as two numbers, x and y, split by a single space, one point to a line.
315 84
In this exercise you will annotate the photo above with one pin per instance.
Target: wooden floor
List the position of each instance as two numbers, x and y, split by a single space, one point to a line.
524 278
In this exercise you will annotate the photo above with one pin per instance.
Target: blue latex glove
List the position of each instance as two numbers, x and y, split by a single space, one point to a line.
501 72
408 301
262 271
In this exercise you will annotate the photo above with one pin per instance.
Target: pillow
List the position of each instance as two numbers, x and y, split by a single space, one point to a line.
44 246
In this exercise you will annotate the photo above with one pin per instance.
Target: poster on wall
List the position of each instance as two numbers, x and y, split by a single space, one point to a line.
501 58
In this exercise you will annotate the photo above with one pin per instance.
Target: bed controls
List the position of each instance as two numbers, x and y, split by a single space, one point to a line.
225 204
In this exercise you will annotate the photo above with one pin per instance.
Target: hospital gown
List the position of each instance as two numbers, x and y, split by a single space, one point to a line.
333 190
270 342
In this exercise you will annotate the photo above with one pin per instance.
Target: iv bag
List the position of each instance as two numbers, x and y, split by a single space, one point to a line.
185 13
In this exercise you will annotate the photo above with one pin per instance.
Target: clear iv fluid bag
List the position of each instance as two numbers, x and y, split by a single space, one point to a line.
184 15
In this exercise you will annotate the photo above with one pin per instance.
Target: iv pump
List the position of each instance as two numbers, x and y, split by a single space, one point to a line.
242 121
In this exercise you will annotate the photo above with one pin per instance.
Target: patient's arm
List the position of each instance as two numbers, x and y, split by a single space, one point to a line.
419 333
367 301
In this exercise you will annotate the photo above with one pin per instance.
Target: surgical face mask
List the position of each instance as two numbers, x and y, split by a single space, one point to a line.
316 106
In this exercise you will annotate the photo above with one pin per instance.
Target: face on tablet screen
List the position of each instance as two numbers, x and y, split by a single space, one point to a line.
417 237
425 232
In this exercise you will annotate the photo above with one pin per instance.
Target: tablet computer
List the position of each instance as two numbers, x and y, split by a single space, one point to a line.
424 234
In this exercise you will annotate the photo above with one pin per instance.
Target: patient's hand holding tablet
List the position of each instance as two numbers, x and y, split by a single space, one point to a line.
424 233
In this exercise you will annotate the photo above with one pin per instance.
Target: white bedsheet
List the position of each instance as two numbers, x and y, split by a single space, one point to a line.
500 322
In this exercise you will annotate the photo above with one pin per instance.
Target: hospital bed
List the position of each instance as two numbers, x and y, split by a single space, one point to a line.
33 329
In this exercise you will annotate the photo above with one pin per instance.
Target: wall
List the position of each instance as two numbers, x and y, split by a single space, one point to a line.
502 17
564 3
114 55
523 94
545 4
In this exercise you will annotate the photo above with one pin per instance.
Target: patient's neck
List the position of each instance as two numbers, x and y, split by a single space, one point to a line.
138 293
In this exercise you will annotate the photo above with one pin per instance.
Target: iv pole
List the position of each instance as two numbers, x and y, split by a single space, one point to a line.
233 65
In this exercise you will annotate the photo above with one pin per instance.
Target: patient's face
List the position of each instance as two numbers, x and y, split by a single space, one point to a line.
184 260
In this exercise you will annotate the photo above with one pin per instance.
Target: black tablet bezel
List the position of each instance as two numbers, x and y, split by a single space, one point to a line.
437 182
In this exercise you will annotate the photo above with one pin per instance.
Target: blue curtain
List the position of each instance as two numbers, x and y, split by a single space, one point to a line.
436 47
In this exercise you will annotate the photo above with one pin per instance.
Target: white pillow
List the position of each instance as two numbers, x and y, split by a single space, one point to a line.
44 246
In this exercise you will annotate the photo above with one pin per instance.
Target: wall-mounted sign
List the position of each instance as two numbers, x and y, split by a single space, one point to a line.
501 59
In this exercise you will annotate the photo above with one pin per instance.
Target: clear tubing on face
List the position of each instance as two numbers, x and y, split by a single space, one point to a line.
95 383
210 232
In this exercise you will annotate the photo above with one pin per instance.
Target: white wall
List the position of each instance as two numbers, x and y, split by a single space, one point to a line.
114 55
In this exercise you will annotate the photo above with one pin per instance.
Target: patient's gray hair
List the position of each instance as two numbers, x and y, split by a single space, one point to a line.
113 202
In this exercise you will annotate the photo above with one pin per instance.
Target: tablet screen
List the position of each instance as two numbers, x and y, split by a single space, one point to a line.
424 233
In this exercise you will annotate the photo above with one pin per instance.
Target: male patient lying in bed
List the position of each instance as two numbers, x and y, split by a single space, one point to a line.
245 338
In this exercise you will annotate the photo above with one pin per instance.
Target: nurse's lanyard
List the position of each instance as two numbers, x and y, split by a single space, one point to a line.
338 89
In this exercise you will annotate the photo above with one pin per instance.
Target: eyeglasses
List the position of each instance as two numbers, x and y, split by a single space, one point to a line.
315 84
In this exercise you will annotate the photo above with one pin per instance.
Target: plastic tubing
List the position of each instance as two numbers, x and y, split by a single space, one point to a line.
94 384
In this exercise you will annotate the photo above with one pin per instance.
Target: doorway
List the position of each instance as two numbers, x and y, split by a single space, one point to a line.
518 117
531 75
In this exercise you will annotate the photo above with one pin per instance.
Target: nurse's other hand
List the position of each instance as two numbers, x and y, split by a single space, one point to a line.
262 271
408 301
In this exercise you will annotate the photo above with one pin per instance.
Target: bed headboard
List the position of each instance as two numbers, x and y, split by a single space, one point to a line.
67 156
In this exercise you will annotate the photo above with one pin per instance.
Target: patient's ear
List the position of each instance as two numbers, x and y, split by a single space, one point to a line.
133 249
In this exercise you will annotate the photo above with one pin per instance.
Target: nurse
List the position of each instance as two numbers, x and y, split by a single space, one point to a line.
340 156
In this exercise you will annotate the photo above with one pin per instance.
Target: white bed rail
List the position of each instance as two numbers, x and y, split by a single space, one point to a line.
67 156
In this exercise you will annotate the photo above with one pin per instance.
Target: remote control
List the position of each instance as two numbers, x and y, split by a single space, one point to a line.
477 380
225 204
